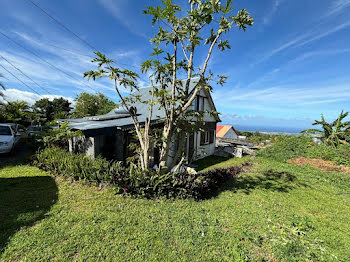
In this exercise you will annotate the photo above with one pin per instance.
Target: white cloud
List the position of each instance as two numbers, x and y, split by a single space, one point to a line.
31 98
273 10
268 124
281 48
337 6
283 97
310 38
117 9
303 39
49 77
309 55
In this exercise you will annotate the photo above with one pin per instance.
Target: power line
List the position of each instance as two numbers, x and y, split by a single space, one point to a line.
20 80
70 50
77 36
26 75
47 62
58 22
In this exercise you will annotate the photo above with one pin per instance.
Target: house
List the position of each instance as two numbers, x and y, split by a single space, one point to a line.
110 135
226 131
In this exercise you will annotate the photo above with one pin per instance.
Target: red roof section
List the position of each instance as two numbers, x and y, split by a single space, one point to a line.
218 127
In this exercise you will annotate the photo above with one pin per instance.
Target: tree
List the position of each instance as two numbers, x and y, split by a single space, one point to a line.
15 112
332 134
92 105
43 110
47 111
61 108
59 137
181 33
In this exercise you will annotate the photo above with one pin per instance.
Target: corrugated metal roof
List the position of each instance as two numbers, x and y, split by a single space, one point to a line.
111 120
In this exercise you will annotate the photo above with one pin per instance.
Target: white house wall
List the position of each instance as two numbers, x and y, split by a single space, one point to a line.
203 151
207 107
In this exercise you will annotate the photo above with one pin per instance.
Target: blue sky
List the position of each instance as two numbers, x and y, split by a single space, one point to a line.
290 67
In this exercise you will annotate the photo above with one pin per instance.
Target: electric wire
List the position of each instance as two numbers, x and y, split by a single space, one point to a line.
20 80
26 75
76 35
44 60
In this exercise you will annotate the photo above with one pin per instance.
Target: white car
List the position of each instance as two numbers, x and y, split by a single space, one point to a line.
8 137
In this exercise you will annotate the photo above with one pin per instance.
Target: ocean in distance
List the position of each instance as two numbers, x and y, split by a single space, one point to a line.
269 129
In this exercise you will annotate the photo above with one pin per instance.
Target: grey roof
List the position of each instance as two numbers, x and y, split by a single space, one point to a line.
118 118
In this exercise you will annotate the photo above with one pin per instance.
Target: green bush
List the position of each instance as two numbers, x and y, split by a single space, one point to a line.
77 166
152 184
132 180
339 155
287 147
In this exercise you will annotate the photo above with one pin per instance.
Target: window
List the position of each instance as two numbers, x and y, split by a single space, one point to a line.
205 137
194 104
211 136
5 131
200 104
35 128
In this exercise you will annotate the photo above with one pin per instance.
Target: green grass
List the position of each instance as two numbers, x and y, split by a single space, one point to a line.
274 212
212 162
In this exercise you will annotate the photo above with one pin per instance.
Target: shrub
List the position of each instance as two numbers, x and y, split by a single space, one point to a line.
339 155
151 184
77 166
133 181
287 147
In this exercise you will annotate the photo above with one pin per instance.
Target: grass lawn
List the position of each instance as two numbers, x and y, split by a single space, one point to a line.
273 212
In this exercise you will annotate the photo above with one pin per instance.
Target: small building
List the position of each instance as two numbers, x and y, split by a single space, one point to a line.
110 135
226 131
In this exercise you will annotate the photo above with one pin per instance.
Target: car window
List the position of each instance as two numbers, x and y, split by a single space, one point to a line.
34 128
5 131
14 129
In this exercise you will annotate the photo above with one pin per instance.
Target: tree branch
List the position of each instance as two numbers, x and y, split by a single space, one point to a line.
184 51
189 102
133 117
173 85
189 71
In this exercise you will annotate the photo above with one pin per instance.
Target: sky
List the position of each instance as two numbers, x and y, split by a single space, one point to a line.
290 67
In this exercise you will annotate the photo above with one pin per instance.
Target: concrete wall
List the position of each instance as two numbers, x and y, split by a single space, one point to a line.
82 144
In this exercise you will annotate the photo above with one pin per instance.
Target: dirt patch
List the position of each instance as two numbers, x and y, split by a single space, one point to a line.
319 163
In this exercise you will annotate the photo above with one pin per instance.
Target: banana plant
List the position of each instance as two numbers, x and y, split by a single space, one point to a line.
332 134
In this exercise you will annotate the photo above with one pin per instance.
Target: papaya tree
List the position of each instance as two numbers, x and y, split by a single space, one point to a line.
181 37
